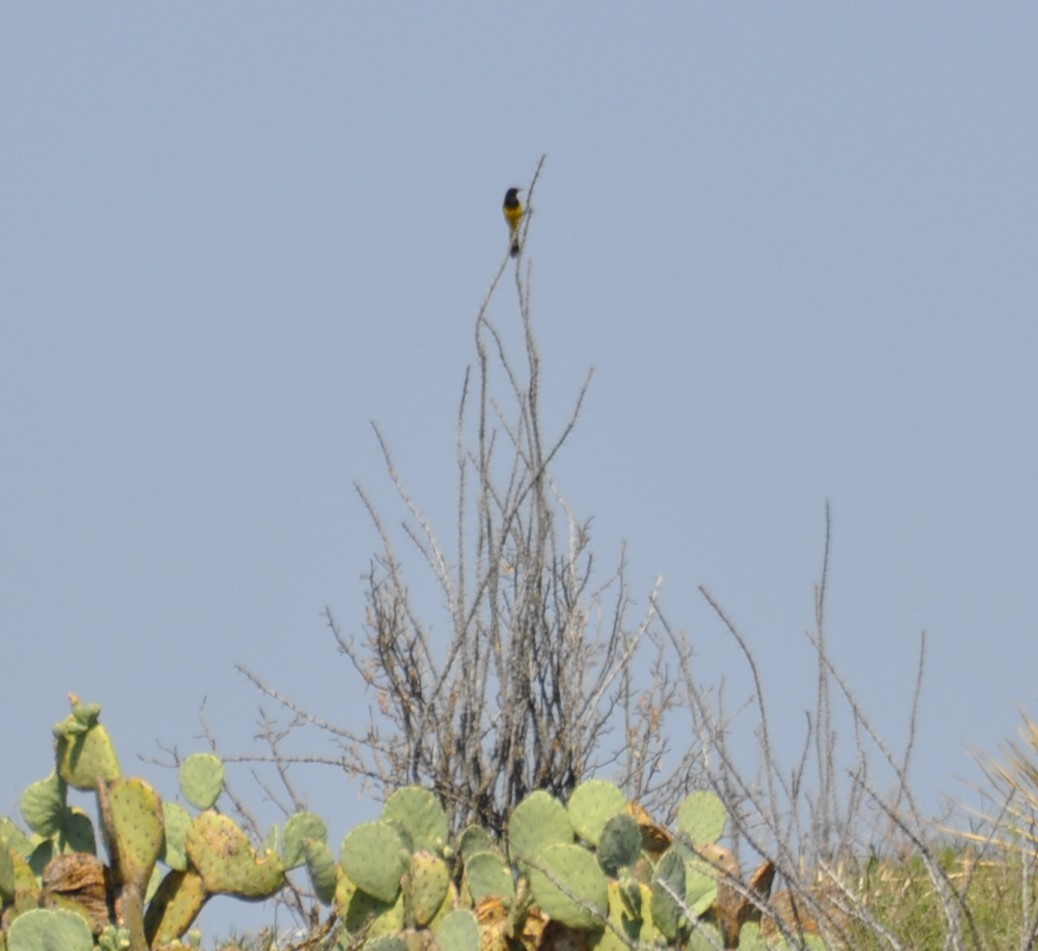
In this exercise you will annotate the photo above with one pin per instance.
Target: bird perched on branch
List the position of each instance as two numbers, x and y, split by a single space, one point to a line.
513 210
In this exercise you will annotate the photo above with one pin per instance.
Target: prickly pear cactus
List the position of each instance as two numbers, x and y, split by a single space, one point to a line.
702 817
705 937
421 814
174 906
374 857
176 821
458 931
668 892
537 822
569 887
299 828
84 750
320 866
487 875
592 805
619 844
46 930
201 779
700 889
475 839
43 805
131 815
596 872
428 879
227 861
387 943
131 819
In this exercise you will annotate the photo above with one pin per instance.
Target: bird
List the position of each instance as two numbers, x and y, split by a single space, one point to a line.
513 210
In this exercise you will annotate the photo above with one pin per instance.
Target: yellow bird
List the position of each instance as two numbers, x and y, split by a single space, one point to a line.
513 210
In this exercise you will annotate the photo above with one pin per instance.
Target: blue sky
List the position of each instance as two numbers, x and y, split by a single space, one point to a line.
795 242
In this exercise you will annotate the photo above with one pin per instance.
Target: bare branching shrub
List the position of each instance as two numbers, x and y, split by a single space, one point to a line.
861 863
544 676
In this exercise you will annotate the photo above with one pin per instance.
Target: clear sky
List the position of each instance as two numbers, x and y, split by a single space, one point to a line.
796 242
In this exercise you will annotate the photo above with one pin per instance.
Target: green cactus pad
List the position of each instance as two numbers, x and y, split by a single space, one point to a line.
174 907
668 882
569 887
420 813
702 817
751 939
320 865
706 937
6 876
458 931
631 892
428 879
592 805
43 805
359 910
14 838
227 861
386 943
44 929
700 888
301 826
620 844
538 822
201 779
629 912
375 856
84 749
41 856
175 819
77 834
131 815
488 876
27 890
475 839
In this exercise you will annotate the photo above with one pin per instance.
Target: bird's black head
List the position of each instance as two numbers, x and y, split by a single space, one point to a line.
512 197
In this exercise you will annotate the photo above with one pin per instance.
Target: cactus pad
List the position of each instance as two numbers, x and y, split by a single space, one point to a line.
569 887
320 865
458 931
428 879
299 828
702 817
201 779
174 907
43 805
475 839
49 930
619 844
374 856
420 813
84 749
487 876
175 819
592 804
668 893
387 943
227 861
537 822
131 816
